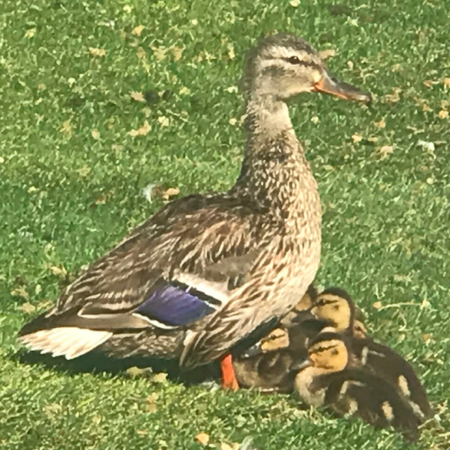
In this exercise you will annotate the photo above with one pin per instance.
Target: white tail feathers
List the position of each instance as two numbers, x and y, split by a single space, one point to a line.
70 342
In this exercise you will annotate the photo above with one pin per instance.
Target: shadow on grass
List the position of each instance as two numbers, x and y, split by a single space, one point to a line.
100 363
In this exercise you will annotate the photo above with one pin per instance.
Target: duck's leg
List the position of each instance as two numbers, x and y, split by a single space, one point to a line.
228 376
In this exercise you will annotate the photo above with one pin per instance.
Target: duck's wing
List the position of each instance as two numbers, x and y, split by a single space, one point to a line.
172 271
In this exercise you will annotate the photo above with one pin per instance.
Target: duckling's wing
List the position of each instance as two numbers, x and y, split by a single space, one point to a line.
157 277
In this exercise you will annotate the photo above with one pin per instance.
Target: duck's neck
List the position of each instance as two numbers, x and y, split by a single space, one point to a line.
275 170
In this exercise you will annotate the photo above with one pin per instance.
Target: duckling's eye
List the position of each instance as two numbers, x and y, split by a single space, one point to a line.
294 60
334 352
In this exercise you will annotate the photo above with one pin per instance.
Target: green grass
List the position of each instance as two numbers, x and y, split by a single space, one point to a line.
68 195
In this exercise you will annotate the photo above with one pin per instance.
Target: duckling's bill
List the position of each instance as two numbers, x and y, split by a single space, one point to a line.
329 84
300 364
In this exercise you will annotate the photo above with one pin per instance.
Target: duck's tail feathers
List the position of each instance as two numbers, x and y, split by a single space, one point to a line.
70 342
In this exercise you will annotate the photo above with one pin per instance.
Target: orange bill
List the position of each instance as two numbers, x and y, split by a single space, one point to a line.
328 84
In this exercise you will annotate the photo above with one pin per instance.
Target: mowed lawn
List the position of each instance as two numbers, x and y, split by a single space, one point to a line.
101 99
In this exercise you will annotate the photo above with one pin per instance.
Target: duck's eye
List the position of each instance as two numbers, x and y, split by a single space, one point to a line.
334 352
294 60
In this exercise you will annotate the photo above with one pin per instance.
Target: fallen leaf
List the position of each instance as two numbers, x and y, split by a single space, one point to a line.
356 137
59 271
177 52
101 200
426 337
84 171
225 446
151 403
67 128
381 124
202 438
373 139
141 53
116 147
143 131
142 433
377 305
138 96
425 304
430 181
41 86
394 97
97 52
20 292
328 53
443 114
164 121
95 134
231 53
430 83
171 192
232 121
27 308
160 52
446 82
184 91
138 30
295 3
350 65
385 151
160 377
30 33
315 119
397 68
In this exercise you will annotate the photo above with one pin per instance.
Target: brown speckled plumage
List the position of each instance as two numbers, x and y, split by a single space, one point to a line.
256 248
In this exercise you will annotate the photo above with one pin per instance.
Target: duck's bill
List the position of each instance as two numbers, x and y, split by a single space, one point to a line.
300 364
328 84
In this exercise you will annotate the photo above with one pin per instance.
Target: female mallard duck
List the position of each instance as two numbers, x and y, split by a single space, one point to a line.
207 270
266 365
336 307
324 378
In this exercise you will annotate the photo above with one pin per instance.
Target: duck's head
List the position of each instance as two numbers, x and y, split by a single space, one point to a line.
335 306
285 65
327 353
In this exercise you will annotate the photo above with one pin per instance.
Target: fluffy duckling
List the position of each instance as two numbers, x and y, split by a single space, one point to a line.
325 378
266 365
336 307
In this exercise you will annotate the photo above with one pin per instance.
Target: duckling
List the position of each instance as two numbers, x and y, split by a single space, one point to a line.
336 307
324 378
266 364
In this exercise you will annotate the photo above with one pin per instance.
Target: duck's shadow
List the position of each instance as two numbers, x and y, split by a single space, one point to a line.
127 367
